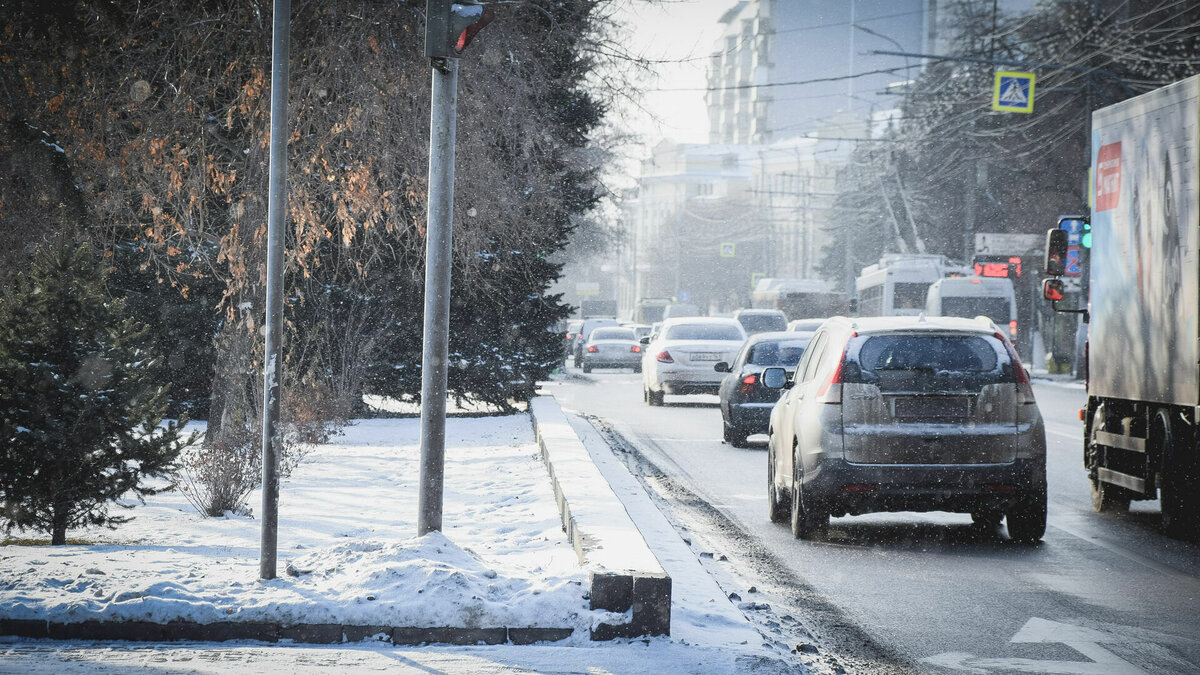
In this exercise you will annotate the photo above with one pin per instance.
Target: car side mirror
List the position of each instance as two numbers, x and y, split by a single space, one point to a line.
774 378
1056 252
721 367
645 340
1052 289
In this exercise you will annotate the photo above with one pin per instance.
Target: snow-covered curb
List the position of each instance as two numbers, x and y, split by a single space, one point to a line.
346 539
624 575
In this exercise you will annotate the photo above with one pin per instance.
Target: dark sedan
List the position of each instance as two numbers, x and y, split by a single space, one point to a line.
745 403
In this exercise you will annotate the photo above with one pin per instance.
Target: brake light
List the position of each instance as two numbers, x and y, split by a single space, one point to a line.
1012 328
1024 386
593 349
570 336
637 349
664 357
832 391
748 383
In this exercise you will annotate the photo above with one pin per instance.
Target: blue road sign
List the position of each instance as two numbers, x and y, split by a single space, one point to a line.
1073 269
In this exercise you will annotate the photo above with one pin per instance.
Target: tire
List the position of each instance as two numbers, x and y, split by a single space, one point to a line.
1108 498
776 511
587 369
1180 507
737 437
726 434
807 519
1027 520
637 369
578 362
654 398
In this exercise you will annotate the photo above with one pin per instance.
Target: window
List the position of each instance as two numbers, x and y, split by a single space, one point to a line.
909 295
926 363
697 331
786 353
997 309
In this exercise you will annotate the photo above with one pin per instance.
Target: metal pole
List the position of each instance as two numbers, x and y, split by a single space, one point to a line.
437 293
273 356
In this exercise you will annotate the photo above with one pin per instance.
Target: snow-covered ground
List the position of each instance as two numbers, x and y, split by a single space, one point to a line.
348 553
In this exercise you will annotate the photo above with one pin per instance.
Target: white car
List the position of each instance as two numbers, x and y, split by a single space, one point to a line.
680 357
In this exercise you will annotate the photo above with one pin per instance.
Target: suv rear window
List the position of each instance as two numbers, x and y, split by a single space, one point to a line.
923 363
697 331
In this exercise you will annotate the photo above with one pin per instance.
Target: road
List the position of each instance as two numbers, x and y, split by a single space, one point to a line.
1101 594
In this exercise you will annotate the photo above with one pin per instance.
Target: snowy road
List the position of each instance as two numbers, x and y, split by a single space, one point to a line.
1102 594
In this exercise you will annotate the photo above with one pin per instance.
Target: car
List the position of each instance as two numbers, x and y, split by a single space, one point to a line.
585 331
761 320
805 325
679 358
569 336
612 347
907 414
746 404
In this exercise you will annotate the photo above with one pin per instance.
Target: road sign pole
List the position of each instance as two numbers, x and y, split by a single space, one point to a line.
273 361
438 249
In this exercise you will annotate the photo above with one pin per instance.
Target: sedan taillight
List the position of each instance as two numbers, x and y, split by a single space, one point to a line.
664 357
637 349
593 349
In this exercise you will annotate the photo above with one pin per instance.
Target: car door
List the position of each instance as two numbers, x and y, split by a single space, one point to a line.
790 404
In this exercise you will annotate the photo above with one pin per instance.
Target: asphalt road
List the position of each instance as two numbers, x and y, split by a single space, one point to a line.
1101 594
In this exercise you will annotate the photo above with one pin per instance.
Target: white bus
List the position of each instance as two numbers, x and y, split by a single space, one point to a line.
969 297
898 284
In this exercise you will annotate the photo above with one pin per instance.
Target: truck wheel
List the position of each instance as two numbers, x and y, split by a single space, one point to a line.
1027 520
1180 503
1108 498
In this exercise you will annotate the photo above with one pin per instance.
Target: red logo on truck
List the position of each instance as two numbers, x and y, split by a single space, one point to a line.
1108 176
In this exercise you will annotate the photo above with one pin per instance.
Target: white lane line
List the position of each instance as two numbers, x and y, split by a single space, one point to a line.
1078 435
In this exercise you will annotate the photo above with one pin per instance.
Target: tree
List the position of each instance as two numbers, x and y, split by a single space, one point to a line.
80 416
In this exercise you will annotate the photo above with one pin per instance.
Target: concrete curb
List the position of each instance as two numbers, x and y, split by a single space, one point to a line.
175 631
624 575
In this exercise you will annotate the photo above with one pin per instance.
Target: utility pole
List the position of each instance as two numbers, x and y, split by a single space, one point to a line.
273 354
449 28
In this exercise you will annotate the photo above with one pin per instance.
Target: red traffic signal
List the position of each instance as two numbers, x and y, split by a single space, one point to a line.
450 26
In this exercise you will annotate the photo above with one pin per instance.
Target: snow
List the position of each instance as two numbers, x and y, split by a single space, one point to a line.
347 531
348 554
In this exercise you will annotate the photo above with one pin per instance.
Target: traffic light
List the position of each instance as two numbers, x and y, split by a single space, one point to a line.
450 26
1085 236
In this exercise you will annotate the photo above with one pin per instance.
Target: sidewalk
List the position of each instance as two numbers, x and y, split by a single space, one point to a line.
349 557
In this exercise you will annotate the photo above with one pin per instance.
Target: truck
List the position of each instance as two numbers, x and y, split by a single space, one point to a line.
1142 284
797 298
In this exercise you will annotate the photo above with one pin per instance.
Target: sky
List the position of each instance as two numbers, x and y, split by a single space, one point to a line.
674 30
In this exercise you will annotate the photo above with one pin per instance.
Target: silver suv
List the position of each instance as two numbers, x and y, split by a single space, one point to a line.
907 414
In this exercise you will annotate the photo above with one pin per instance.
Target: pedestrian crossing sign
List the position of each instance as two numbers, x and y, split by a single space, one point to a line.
1013 92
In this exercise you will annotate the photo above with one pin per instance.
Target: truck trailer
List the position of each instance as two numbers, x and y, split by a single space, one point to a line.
1143 284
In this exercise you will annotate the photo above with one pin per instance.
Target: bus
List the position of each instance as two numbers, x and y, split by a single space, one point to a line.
898 284
797 298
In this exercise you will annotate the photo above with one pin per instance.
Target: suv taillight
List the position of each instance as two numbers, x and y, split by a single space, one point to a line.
1024 386
831 392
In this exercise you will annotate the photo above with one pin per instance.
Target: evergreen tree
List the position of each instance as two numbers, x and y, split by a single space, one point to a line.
79 413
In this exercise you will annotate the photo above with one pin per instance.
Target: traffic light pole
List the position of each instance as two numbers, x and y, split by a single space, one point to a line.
273 361
439 237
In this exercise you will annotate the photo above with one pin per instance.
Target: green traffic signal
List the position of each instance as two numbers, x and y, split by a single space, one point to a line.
1085 237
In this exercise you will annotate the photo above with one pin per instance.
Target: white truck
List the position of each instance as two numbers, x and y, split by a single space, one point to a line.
1143 284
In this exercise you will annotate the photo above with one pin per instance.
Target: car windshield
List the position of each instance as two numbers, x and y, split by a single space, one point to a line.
761 323
925 363
784 353
997 309
612 334
703 331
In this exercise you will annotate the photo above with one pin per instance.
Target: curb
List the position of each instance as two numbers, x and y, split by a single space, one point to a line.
623 573
176 631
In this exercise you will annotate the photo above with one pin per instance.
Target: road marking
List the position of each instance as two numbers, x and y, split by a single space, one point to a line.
1086 641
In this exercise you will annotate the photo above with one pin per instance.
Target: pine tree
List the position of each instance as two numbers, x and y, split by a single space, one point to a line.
79 414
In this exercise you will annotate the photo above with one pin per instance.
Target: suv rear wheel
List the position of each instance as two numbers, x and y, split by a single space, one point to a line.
807 518
1027 520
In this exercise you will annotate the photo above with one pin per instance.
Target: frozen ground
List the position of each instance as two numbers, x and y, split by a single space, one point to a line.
348 554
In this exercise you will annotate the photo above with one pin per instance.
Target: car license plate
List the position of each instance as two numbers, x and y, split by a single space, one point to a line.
706 356
932 407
